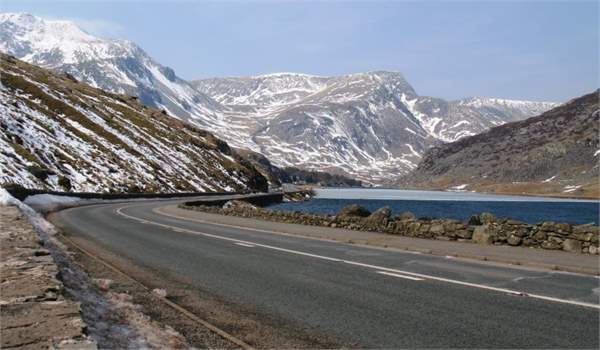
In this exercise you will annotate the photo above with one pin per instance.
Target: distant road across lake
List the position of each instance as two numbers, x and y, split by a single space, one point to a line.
454 205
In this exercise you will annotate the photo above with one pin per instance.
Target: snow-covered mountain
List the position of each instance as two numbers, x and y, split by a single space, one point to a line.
118 66
450 121
266 91
373 125
59 134
370 125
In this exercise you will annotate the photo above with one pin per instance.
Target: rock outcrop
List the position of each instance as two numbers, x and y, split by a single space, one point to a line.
354 210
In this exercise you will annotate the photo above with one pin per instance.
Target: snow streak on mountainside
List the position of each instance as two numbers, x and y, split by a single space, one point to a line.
259 93
58 134
372 126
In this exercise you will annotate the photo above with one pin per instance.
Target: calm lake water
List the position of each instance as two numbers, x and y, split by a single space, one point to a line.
454 205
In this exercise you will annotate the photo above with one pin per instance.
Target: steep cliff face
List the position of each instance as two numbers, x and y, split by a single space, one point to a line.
57 133
556 152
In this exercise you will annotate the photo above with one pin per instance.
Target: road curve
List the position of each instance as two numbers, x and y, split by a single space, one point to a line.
371 298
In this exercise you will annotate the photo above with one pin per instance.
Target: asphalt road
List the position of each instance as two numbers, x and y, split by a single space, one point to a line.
372 298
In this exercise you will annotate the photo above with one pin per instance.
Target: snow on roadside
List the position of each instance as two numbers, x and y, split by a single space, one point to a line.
45 203
113 320
6 199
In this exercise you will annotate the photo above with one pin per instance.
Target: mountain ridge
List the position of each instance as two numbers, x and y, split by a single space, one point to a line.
371 125
554 153
377 124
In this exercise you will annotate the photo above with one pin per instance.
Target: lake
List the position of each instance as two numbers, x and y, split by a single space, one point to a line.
453 205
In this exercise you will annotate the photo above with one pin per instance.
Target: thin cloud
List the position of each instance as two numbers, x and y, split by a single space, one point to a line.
100 27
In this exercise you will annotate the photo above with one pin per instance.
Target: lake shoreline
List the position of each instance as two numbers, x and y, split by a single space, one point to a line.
449 205
488 195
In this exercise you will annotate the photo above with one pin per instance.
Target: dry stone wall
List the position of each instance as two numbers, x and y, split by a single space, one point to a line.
34 313
482 229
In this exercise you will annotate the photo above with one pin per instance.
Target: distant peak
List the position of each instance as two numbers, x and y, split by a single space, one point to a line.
17 16
385 72
43 27
500 101
285 74
378 75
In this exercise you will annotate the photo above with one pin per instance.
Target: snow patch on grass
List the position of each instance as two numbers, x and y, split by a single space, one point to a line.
459 188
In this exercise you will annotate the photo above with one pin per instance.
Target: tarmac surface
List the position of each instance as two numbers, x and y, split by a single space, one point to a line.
364 296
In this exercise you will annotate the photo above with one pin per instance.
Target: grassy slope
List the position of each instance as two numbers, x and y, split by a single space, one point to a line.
59 134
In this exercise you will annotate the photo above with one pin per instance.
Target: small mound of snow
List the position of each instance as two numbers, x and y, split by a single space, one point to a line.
6 199
571 188
160 292
459 188
47 202
103 283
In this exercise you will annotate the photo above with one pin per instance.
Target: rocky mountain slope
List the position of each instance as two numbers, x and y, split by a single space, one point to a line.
368 125
554 153
118 66
372 126
59 134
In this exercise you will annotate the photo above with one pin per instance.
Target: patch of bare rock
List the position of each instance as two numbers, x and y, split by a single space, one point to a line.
33 312
483 229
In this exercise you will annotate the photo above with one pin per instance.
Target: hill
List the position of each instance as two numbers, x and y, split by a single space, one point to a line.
555 153
59 134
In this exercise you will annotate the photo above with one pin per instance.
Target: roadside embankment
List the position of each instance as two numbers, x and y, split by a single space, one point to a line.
34 312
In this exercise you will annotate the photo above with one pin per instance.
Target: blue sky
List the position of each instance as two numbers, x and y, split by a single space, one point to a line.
538 50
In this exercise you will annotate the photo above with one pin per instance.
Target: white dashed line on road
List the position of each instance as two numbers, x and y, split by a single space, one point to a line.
400 276
245 245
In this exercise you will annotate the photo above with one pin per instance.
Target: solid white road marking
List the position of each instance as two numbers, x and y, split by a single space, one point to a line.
245 245
400 276
355 263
